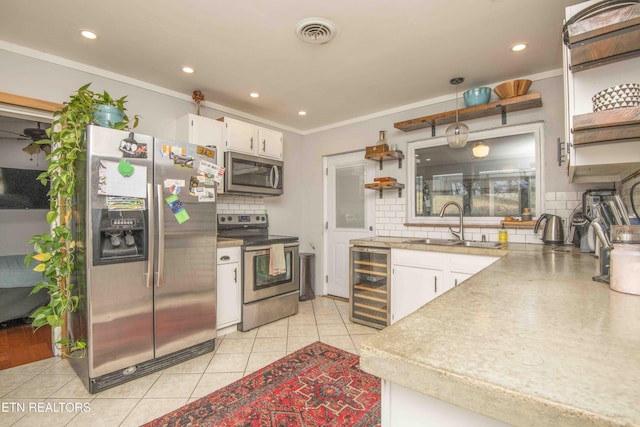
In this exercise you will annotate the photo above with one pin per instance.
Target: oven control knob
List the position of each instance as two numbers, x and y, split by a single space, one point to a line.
222 219
263 218
229 218
257 218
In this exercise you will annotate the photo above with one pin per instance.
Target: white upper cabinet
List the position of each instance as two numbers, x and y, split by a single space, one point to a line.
251 139
601 51
270 143
201 130
240 136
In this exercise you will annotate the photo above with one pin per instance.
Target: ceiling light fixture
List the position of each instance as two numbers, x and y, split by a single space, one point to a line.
188 70
302 113
87 34
457 133
518 47
480 150
254 95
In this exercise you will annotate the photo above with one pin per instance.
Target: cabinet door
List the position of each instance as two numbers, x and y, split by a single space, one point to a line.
270 143
229 281
454 279
460 267
241 136
411 288
202 131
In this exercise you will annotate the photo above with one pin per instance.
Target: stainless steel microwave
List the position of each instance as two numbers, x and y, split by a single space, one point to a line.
248 174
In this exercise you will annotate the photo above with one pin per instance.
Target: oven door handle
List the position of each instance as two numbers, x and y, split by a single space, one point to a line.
266 247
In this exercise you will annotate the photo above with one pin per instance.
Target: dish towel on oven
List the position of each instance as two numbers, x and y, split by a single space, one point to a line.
277 263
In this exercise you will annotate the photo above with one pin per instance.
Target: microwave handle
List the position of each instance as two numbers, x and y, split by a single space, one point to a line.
274 177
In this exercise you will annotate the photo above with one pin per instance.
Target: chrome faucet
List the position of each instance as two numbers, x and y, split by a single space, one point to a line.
460 232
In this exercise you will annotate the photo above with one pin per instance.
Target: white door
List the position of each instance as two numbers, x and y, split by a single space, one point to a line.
349 214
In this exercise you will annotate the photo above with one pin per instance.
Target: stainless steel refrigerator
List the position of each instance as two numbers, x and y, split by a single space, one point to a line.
146 270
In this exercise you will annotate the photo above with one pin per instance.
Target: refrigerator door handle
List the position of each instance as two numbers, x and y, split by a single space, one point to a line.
151 238
160 236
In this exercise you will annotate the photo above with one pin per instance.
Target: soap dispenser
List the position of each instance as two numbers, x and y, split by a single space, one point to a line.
502 235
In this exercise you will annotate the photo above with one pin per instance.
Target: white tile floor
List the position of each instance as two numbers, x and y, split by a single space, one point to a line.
48 392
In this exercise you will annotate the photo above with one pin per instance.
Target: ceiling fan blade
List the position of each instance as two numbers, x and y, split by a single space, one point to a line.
14 133
15 138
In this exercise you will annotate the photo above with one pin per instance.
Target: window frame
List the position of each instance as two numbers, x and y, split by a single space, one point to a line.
535 128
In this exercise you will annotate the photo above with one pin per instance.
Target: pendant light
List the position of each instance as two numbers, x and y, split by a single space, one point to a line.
457 133
480 150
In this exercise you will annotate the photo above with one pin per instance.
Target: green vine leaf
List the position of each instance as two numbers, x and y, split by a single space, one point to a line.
55 250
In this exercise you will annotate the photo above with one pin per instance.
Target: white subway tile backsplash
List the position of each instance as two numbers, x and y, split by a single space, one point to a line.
550 196
556 205
517 238
239 204
569 195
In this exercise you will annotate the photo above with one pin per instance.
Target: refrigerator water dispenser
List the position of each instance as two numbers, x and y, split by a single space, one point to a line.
119 236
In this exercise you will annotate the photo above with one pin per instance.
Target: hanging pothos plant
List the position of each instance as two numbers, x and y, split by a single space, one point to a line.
55 250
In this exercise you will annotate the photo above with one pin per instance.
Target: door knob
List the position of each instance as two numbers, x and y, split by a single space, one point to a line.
371 228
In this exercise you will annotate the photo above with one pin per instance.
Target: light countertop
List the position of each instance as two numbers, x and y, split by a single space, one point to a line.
530 340
224 242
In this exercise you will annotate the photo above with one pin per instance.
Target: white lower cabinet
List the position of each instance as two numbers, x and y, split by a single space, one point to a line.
460 267
403 407
418 277
229 282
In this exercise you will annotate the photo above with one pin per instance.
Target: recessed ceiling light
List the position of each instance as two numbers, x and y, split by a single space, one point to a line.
518 47
89 34
302 113
188 70
254 95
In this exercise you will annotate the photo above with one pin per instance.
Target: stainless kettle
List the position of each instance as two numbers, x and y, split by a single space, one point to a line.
553 232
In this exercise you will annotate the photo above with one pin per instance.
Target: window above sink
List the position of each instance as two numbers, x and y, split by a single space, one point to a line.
501 184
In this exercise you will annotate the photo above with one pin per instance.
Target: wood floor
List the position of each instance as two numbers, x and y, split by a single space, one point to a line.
19 344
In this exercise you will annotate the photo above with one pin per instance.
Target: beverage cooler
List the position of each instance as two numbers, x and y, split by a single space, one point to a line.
369 286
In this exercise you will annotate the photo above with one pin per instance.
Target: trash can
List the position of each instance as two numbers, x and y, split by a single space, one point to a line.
307 275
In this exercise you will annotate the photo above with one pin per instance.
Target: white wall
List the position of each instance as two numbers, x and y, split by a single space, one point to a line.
358 136
34 78
300 210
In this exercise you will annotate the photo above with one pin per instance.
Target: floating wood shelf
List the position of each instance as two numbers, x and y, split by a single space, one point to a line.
607 37
502 106
386 185
606 126
386 155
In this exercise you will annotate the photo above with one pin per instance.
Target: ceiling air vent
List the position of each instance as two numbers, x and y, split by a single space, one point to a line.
315 30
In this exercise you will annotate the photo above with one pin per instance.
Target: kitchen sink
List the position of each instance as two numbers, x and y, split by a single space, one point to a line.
441 242
454 242
476 244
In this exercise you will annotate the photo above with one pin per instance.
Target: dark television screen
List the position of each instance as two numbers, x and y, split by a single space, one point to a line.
19 189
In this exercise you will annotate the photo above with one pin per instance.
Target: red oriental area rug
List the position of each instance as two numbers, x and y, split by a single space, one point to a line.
318 385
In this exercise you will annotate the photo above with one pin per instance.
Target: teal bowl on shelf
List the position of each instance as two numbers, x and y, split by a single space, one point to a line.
477 96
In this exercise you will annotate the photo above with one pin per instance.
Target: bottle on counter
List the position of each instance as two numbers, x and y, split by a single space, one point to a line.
502 235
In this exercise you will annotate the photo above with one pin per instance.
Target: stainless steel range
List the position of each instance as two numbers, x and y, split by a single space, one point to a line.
266 296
